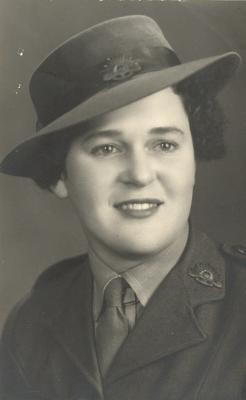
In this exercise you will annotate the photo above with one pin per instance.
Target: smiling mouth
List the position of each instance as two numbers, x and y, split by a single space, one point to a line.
139 205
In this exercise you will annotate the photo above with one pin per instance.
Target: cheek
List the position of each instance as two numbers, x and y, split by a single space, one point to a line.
187 174
179 179
87 185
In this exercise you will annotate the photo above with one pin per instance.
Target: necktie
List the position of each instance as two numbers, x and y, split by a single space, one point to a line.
113 326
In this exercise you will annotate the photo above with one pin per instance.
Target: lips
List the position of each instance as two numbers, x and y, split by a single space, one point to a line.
139 206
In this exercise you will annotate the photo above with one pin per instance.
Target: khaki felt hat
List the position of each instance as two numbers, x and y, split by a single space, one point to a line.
104 68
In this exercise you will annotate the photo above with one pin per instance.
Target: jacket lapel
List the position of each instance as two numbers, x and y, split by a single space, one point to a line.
169 323
71 324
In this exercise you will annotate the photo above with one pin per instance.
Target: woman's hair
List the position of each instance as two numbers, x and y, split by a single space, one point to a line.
206 120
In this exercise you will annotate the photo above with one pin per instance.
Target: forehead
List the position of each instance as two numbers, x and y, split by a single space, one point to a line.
161 109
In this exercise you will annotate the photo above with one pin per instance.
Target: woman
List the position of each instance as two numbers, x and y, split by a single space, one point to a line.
156 309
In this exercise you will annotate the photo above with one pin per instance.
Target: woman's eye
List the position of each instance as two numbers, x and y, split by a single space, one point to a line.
104 150
165 146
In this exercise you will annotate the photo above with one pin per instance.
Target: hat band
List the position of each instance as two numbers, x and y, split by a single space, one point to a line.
64 95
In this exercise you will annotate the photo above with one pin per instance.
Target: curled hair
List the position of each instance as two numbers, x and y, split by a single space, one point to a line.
206 120
49 164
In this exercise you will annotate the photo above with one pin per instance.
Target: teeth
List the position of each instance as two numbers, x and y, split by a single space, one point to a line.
138 206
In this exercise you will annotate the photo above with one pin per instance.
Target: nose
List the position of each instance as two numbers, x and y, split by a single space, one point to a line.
138 169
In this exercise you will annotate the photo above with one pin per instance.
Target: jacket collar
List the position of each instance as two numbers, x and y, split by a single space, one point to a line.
167 325
202 269
169 322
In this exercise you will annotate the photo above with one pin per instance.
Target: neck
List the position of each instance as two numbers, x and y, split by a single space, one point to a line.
120 263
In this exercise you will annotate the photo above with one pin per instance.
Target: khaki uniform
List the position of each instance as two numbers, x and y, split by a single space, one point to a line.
189 343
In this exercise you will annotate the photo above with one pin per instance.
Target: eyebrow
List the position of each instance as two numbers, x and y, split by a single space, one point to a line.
107 133
114 133
167 129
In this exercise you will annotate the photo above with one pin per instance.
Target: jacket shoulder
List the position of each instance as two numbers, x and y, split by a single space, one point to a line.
49 286
26 341
235 252
59 271
235 266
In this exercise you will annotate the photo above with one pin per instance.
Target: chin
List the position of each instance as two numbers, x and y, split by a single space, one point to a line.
139 249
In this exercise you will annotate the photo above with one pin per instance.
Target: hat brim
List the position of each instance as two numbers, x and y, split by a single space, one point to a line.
212 73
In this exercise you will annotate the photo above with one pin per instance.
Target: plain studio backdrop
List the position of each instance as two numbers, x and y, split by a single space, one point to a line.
36 228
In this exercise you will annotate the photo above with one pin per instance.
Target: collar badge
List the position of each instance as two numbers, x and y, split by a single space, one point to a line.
120 68
204 274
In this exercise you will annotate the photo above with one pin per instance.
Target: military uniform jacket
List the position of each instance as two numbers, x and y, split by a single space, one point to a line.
188 344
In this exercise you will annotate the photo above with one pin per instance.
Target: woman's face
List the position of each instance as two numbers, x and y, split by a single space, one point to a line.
131 178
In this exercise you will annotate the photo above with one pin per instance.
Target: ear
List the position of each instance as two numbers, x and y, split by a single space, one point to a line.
59 189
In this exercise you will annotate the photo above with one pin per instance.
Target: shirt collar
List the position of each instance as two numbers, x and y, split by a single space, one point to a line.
102 275
144 278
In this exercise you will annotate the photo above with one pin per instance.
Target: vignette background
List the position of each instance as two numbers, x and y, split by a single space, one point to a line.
36 229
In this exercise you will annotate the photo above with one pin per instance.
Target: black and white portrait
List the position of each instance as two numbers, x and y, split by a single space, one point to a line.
123 200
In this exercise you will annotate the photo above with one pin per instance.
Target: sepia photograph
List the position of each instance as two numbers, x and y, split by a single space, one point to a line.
123 200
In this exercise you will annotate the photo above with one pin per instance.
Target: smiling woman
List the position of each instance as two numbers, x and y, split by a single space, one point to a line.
138 153
154 300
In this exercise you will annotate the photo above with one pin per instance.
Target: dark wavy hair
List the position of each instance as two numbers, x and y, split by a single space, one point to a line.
206 120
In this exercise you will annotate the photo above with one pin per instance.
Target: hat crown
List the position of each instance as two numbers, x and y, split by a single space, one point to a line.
102 69
74 71
114 36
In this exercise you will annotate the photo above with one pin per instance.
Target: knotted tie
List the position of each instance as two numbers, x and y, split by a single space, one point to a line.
113 325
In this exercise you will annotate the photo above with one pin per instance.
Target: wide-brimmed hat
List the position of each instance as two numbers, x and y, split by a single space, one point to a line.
104 68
